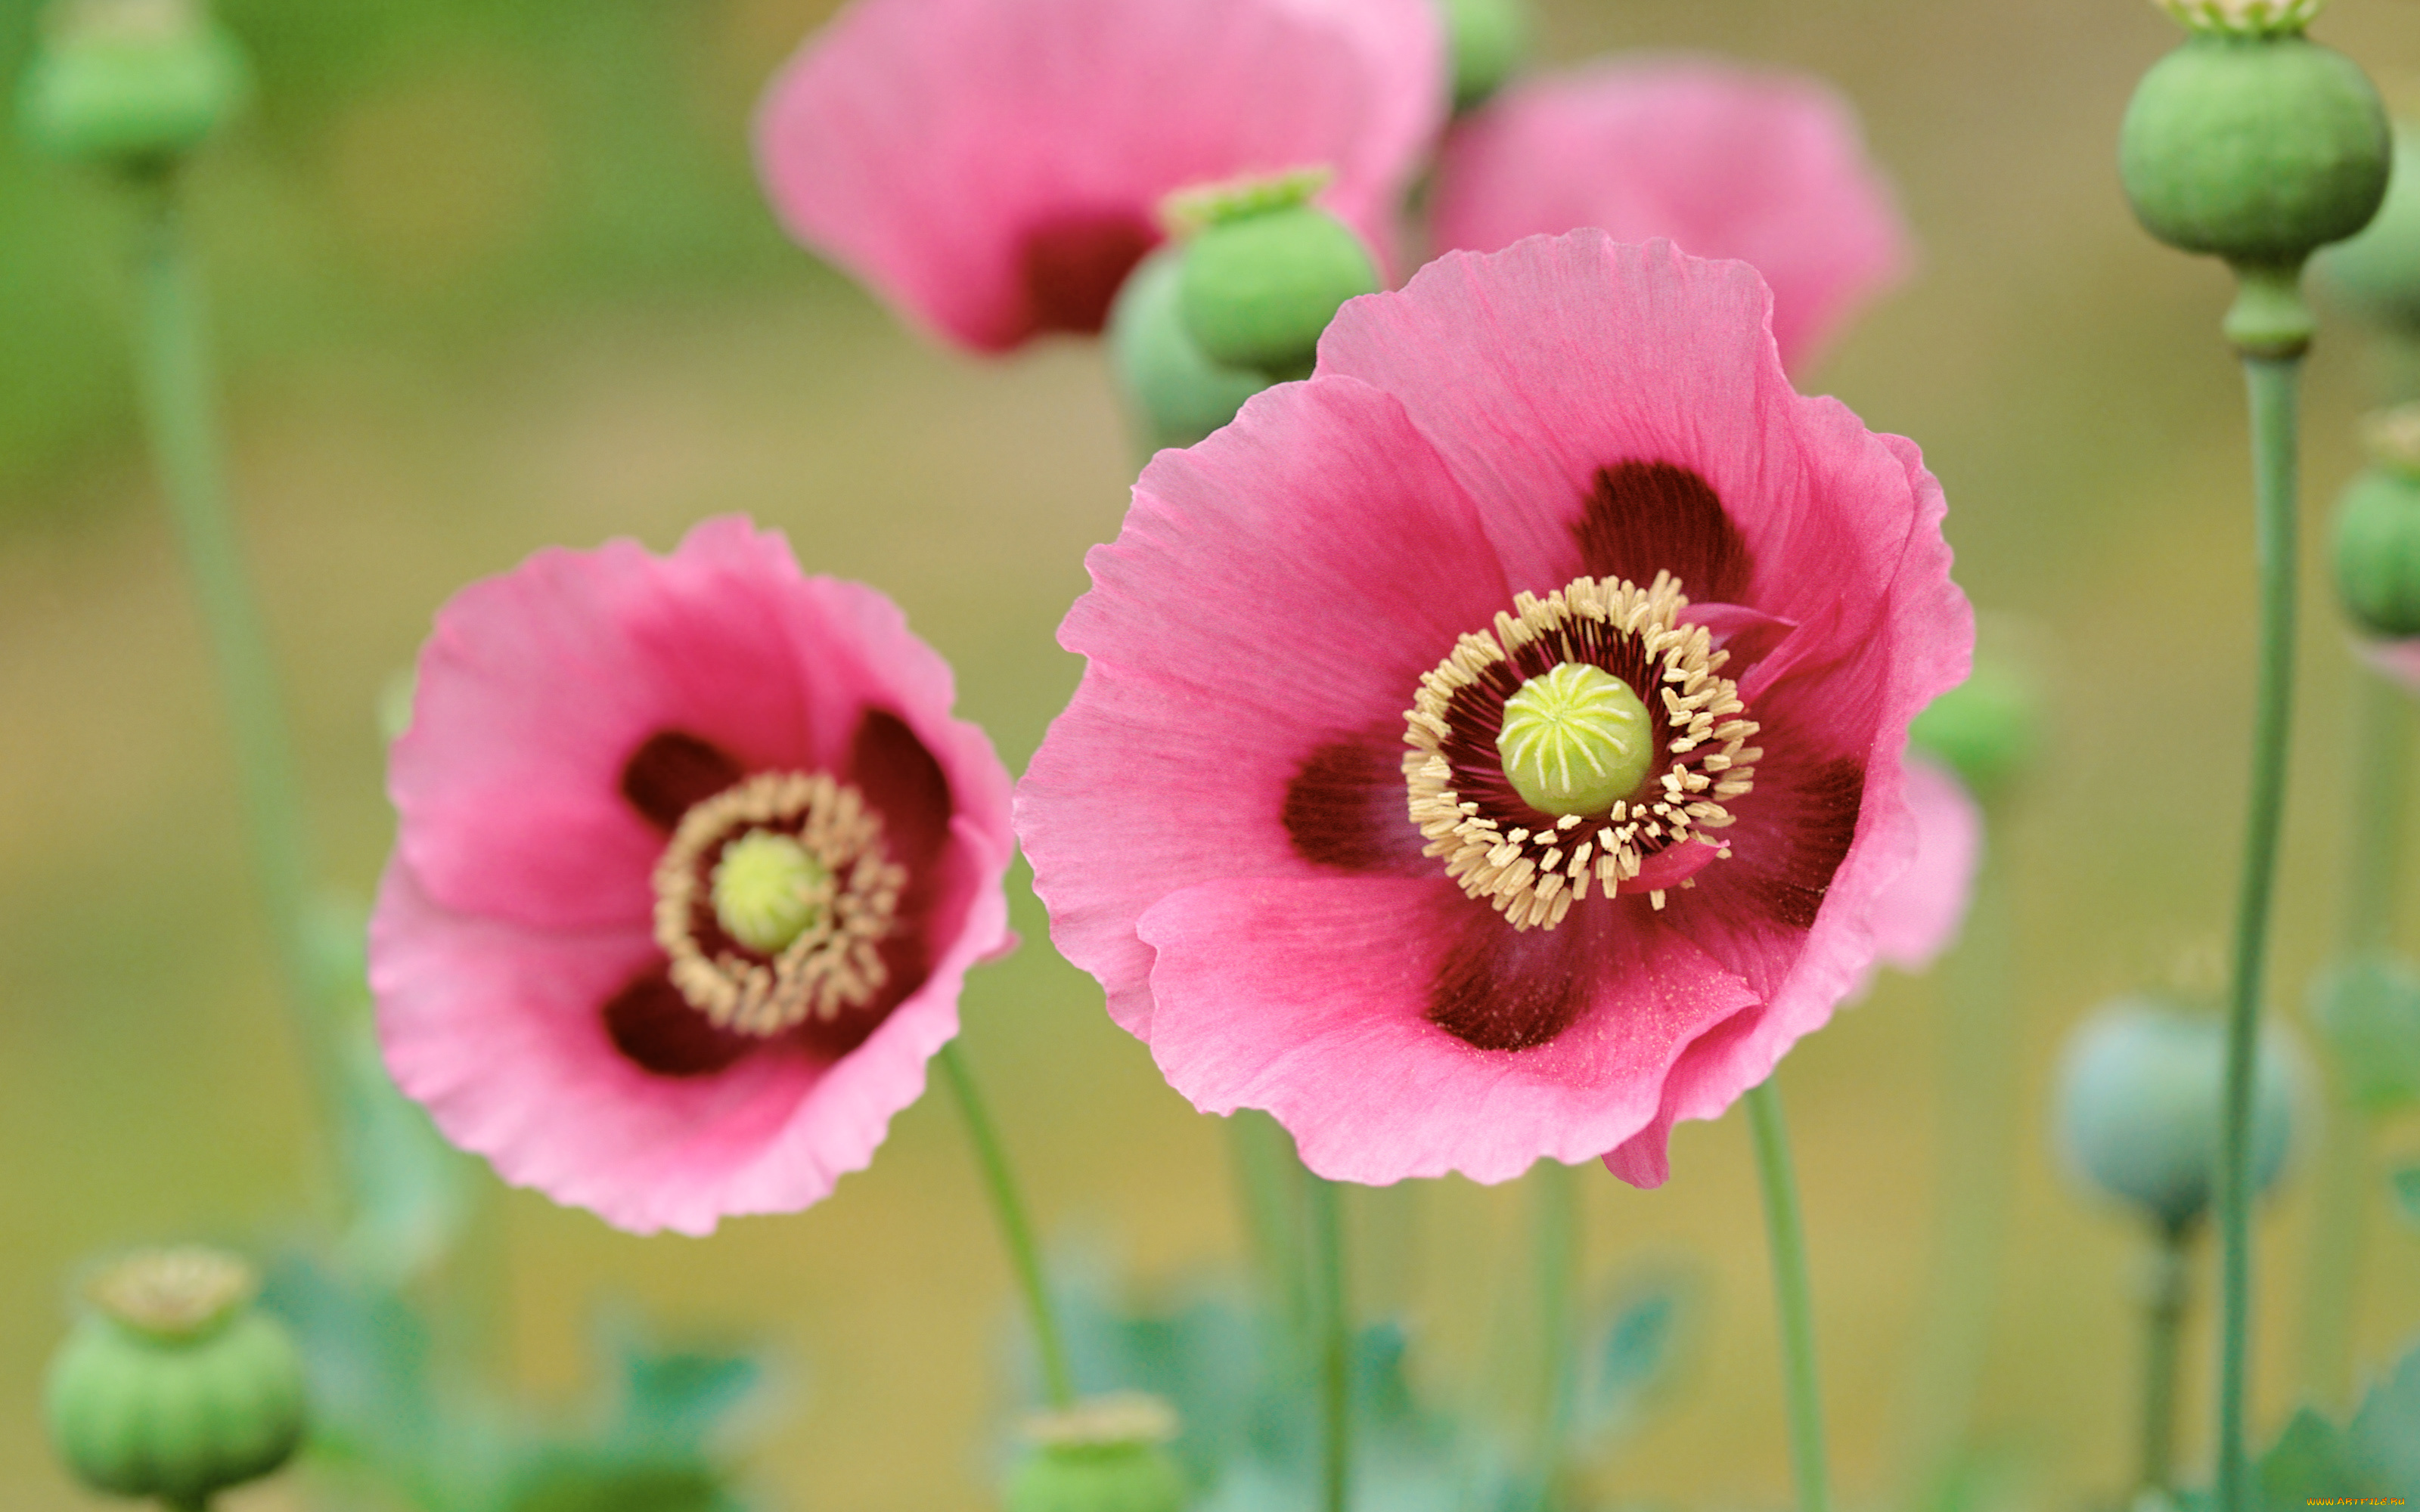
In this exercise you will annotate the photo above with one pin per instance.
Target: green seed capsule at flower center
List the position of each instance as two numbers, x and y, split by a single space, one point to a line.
769 890
1576 740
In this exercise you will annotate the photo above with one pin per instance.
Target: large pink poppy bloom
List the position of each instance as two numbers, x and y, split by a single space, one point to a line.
1273 820
1765 166
994 167
594 737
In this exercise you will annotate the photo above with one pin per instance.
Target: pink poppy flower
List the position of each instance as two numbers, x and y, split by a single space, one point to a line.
1919 915
1764 166
1278 821
692 862
994 167
2398 660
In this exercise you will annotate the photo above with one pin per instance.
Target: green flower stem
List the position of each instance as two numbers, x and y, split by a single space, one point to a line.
1979 1116
1336 1343
2165 1293
2271 383
1269 1182
1794 1297
1015 1231
1557 1240
2380 750
2344 1171
173 371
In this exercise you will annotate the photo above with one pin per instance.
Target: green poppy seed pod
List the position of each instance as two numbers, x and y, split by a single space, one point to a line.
2257 148
2138 1107
1264 273
2377 533
1488 41
1176 395
2367 1013
2376 273
1986 729
1102 1455
130 83
173 1386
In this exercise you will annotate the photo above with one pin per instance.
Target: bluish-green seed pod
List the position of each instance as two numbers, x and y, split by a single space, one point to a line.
1257 287
1103 1456
1986 728
2376 273
130 83
1488 40
2138 1107
2256 148
173 1386
1176 395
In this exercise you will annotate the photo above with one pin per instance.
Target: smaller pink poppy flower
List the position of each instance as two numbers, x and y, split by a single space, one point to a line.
994 168
691 861
1493 747
2398 660
1764 166
1917 916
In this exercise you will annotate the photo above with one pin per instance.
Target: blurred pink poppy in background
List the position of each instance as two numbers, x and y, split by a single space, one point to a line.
1727 162
994 168
1275 822
692 862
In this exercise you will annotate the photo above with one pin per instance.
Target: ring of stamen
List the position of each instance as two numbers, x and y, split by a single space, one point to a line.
1532 868
833 962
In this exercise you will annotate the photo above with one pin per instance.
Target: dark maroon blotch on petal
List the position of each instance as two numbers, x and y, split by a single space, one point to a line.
1502 988
1346 807
1643 517
1072 267
657 1030
1819 818
901 780
673 770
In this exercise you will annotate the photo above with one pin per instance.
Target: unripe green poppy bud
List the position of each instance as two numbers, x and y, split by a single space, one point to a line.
1488 40
1264 273
2368 1013
2378 273
173 1386
1986 728
130 83
2138 1106
2376 531
1177 395
2256 148
1103 1455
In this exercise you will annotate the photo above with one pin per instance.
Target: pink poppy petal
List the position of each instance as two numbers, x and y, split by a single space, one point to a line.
1274 597
1325 1023
1917 916
497 1031
995 168
1764 166
2398 659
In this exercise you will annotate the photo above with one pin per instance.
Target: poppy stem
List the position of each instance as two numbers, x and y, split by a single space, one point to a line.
2164 1309
1794 1297
2272 382
2380 750
1980 1117
179 416
1336 1341
1557 1239
1015 1231
1268 1180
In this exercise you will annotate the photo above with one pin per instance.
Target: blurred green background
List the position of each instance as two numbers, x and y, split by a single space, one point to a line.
492 275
